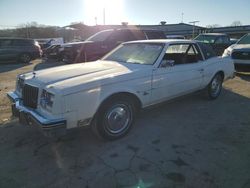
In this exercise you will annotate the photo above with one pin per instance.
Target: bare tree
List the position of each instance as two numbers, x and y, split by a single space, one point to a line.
236 23
163 22
213 26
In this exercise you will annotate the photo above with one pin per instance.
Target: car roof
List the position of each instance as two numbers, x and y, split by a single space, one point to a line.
214 34
131 29
163 41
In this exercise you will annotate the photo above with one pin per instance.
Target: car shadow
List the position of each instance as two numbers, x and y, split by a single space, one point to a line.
7 66
244 75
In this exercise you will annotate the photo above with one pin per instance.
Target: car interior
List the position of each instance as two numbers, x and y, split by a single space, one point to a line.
182 54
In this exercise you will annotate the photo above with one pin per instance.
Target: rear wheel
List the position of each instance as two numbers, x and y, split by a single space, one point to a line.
25 58
115 118
215 86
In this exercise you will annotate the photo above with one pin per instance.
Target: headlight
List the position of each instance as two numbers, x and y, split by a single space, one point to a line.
47 100
19 84
226 53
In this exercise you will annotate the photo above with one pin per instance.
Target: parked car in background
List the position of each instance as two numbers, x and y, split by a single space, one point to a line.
19 49
52 52
218 41
108 93
240 51
47 42
103 42
72 52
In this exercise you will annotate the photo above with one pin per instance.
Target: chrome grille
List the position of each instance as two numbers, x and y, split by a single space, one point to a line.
30 96
241 55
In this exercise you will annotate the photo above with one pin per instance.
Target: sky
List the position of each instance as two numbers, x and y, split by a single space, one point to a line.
143 12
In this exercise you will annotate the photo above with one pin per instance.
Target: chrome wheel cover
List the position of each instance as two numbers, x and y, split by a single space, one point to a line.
118 118
216 85
25 58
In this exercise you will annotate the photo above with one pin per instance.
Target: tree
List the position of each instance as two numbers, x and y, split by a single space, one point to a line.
236 23
213 26
163 22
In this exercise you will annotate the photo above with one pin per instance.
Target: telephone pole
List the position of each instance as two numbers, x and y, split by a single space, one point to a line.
194 22
104 19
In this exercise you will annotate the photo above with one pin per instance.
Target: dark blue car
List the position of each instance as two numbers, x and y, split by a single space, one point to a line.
19 49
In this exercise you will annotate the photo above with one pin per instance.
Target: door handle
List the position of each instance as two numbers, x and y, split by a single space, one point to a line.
201 70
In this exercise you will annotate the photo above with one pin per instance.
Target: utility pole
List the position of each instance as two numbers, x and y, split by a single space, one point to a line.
95 20
194 22
104 16
182 14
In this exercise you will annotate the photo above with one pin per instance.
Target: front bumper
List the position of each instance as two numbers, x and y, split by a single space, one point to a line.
28 116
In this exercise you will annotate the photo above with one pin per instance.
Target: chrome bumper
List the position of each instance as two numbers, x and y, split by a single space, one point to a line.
27 116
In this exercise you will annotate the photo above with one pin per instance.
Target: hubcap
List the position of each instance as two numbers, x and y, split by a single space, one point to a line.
118 118
25 58
216 85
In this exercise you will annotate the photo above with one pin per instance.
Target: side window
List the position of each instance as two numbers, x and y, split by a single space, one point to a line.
222 40
182 54
120 36
207 50
137 35
226 40
155 35
219 40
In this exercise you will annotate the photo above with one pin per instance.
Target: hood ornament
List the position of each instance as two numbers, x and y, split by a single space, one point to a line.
34 75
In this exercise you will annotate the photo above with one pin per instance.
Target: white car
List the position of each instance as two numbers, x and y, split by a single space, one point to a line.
240 51
106 94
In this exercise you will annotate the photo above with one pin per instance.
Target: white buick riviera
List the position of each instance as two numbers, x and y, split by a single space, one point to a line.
106 94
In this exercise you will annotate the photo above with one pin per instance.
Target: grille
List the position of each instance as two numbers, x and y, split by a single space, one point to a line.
241 55
30 96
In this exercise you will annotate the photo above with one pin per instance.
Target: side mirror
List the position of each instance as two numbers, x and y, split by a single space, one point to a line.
167 63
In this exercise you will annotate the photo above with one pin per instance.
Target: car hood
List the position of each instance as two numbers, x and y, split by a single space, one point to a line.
72 78
240 47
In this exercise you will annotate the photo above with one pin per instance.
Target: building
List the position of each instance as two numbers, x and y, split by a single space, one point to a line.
232 31
81 31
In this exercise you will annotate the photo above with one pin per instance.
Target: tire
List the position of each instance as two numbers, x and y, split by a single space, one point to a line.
25 58
215 86
115 118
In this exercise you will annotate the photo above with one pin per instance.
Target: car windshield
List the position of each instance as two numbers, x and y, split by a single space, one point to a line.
245 39
136 53
206 38
100 36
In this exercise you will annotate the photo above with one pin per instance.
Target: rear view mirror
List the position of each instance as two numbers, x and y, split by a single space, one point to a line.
167 63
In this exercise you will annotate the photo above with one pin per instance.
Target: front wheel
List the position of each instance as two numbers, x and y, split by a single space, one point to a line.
25 58
115 118
215 86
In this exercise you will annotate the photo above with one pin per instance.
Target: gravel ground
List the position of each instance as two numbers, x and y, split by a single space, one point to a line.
190 142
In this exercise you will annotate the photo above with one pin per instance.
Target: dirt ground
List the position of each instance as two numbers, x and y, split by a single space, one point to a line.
190 142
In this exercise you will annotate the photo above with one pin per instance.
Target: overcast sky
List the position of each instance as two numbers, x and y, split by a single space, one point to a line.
63 12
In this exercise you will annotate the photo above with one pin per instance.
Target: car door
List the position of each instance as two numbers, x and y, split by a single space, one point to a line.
180 72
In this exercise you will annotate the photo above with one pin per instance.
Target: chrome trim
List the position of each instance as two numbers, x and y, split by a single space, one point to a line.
43 122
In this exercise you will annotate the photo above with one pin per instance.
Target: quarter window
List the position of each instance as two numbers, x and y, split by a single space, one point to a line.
182 54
